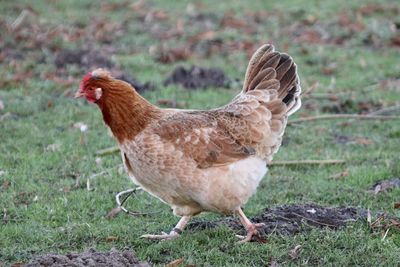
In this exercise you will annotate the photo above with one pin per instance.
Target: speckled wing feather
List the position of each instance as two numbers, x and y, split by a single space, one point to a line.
203 137
252 124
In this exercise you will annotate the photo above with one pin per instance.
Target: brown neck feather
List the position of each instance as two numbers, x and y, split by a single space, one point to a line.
125 111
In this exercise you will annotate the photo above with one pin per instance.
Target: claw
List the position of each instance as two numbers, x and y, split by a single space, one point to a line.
252 231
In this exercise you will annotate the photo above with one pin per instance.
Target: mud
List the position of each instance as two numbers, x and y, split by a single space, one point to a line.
292 219
89 258
197 77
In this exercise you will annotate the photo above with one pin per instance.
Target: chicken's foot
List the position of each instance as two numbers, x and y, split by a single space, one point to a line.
251 228
174 232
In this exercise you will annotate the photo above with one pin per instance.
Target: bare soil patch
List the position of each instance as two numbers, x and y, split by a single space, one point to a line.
197 77
89 258
293 219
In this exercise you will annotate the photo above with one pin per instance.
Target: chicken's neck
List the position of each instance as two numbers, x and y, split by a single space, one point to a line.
127 114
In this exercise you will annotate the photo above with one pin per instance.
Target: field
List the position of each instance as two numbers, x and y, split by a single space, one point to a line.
347 54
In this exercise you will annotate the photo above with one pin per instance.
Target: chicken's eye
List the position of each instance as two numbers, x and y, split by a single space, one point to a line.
91 89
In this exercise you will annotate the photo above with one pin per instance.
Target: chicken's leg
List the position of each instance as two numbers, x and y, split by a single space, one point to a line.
251 228
173 234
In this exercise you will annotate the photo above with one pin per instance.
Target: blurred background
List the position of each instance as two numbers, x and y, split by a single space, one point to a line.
191 54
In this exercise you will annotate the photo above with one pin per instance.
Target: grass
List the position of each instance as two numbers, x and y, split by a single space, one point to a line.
42 212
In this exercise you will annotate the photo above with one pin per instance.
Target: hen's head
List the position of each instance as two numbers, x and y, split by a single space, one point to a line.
94 84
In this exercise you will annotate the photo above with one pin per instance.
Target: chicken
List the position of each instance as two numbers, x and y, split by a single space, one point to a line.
202 160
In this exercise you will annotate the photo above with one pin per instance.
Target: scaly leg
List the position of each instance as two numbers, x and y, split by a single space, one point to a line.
251 228
173 234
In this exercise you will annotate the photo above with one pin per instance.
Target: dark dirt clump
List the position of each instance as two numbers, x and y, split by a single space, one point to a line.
197 77
293 219
351 106
89 258
85 58
89 59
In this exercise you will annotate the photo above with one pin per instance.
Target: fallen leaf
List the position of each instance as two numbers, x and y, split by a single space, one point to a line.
81 126
310 19
339 175
329 69
173 54
363 63
295 252
385 185
175 263
396 205
369 9
395 40
395 222
111 238
203 36
53 147
5 185
369 217
114 212
98 160
229 20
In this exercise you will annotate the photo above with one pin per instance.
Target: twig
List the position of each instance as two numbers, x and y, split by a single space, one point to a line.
98 174
314 221
128 193
385 110
311 89
309 161
19 20
106 151
345 116
384 237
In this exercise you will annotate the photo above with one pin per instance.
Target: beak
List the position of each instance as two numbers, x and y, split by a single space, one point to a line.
79 94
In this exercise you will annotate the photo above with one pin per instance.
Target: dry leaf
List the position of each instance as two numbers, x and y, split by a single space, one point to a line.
294 253
330 69
173 54
385 185
363 141
98 160
363 63
175 263
396 205
81 126
53 147
5 185
114 212
111 238
339 175
203 36
369 217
